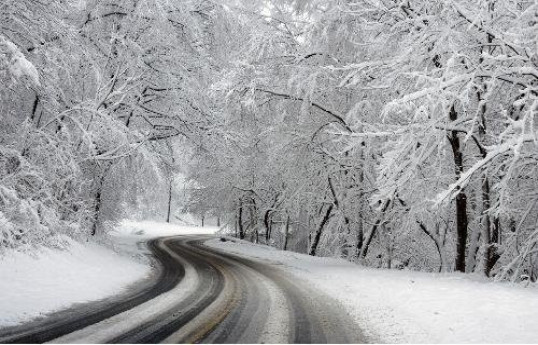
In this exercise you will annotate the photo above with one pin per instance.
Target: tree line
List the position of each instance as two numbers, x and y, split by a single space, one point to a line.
399 134
394 133
97 98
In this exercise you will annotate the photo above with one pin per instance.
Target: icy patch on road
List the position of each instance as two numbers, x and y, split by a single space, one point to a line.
412 307
50 279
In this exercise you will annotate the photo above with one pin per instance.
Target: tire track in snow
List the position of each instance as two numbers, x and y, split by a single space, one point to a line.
209 296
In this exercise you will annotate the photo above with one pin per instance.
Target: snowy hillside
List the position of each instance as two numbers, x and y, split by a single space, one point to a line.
49 280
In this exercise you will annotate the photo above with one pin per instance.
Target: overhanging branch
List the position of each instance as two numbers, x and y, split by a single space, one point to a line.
339 118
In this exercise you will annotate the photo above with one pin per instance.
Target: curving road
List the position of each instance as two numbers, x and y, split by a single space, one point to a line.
200 295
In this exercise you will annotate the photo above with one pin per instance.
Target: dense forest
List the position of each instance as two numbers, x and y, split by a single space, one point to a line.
394 133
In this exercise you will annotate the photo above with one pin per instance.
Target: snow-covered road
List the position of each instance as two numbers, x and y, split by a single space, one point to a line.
203 295
393 306
217 291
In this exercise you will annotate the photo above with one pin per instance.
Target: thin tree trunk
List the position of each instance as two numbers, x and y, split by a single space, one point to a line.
360 226
98 203
96 211
319 230
267 225
368 240
437 245
286 232
371 234
240 220
34 107
236 228
338 205
491 230
169 202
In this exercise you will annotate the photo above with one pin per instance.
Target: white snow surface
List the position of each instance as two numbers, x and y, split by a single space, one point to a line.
412 307
49 280
53 279
151 229
17 64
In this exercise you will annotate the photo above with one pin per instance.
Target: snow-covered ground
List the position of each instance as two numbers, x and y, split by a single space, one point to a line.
49 280
152 229
413 307
390 306
52 279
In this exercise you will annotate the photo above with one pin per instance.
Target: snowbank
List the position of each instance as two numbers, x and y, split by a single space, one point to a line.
51 279
413 307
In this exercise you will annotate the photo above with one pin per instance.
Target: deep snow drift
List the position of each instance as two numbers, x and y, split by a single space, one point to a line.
403 306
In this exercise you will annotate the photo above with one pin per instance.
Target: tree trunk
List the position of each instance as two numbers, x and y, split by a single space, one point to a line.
491 230
236 230
34 108
286 232
319 230
491 235
240 221
371 234
96 210
368 240
475 237
461 198
267 225
360 226
253 226
98 201
338 205
169 202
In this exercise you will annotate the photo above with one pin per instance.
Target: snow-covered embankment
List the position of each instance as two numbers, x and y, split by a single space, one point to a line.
412 307
49 280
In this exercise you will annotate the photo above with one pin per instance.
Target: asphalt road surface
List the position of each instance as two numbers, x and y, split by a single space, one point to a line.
200 295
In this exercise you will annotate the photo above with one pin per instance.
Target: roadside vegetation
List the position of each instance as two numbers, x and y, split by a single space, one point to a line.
396 134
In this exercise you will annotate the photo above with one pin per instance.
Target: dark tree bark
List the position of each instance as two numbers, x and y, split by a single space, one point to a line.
267 224
240 220
372 233
96 211
461 198
98 200
34 108
169 211
360 226
286 232
435 241
319 231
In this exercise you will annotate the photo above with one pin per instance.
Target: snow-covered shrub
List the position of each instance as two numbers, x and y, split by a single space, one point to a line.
14 63
30 210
